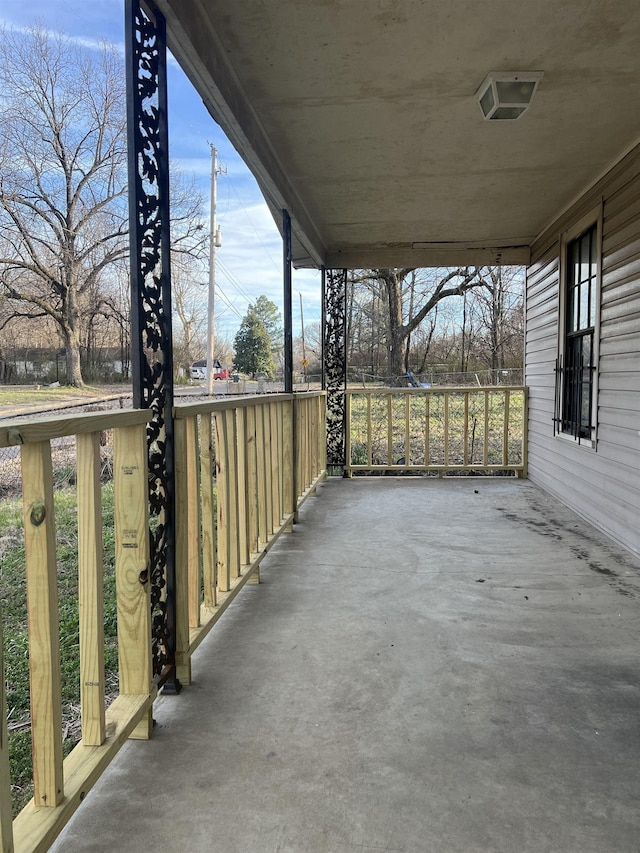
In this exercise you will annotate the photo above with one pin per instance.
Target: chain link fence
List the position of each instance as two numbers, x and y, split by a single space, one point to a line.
437 376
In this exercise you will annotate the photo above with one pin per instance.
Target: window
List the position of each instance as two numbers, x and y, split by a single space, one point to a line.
576 403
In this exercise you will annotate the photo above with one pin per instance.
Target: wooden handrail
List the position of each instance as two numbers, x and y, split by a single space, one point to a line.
18 431
187 410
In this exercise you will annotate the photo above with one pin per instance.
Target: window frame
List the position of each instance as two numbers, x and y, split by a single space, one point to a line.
587 222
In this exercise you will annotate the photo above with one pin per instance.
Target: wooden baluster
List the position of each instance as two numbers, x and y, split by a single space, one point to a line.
90 589
252 480
315 419
42 608
6 823
191 506
306 455
525 432
485 455
427 449
288 494
309 408
465 437
369 439
446 428
505 430
222 485
209 542
389 430
323 432
232 480
299 449
133 581
275 467
243 498
268 462
407 429
263 536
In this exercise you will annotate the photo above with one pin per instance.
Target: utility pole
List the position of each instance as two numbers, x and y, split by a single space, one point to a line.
215 241
304 350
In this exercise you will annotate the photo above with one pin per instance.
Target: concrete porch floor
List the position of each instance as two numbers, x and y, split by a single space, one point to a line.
428 665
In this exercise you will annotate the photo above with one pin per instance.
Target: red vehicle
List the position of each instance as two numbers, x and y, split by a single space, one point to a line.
199 370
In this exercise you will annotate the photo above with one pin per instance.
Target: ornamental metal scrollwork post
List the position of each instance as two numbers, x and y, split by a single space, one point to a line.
288 319
334 286
151 333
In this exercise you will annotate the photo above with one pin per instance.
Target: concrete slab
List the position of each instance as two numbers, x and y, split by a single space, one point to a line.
428 665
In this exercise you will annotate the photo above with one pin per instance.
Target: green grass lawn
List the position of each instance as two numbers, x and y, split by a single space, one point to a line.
25 397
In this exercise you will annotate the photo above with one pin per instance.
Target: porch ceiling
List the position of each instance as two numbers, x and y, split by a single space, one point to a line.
360 118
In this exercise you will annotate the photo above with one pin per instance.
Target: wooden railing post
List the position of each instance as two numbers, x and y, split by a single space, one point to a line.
6 824
131 512
90 590
42 607
525 433
288 483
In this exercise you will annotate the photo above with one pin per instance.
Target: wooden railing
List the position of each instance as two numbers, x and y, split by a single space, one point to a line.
60 785
264 456
406 430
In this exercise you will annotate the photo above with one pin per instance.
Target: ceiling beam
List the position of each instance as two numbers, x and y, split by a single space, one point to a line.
428 255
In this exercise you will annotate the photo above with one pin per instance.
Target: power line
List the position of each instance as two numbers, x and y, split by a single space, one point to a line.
227 301
234 281
257 233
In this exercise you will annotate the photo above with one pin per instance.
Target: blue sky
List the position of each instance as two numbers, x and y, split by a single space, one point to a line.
250 259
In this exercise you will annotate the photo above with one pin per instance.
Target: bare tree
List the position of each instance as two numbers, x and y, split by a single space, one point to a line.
498 309
410 296
190 313
63 211
62 193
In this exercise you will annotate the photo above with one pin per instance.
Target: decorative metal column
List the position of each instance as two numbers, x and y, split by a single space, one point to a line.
334 301
151 335
288 310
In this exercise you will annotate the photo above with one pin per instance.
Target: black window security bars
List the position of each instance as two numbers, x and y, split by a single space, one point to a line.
334 286
574 396
575 368
152 358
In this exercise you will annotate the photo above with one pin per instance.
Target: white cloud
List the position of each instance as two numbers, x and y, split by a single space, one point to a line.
251 254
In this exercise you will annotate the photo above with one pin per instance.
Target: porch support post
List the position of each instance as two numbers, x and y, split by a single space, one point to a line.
335 362
288 315
151 333
323 314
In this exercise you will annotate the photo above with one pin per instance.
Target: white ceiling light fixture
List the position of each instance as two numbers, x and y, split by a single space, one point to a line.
505 95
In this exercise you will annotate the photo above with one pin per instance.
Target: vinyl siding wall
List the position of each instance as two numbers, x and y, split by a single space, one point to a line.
602 485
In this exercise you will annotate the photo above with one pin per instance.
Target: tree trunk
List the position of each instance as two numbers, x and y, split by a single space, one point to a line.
395 340
72 349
